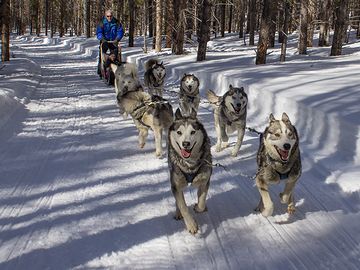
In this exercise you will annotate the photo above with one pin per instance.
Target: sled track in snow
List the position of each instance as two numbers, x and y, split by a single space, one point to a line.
79 194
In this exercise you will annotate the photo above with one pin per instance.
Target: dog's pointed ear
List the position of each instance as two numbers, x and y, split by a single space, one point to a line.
161 63
231 89
272 118
178 114
285 118
193 114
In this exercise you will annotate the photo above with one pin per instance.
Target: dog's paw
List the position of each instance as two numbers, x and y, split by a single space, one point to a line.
291 209
284 198
178 216
267 211
218 148
191 226
158 154
141 145
234 153
197 209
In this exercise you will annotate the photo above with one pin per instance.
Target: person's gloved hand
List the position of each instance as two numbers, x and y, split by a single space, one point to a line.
103 40
116 42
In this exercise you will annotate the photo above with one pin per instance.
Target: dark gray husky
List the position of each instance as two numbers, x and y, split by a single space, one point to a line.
278 159
189 159
230 112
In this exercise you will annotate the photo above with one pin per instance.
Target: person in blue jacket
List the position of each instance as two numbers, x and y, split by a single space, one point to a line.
109 29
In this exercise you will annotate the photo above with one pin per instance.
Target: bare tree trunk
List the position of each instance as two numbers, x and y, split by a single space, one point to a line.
222 17
190 19
303 27
46 16
151 25
204 35
273 24
230 16
281 22
242 18
264 32
285 30
341 14
132 9
169 22
5 30
252 21
87 17
158 25
145 18
310 19
179 31
324 16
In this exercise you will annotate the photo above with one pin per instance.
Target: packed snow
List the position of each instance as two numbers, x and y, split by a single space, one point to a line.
76 192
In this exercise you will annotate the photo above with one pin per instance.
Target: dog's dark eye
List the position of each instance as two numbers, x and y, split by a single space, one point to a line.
277 135
192 132
290 134
179 132
234 97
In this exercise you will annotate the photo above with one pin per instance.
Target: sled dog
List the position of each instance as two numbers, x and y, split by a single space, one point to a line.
278 158
147 112
189 160
189 96
230 115
154 77
126 78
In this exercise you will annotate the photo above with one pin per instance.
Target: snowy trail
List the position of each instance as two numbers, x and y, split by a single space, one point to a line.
77 193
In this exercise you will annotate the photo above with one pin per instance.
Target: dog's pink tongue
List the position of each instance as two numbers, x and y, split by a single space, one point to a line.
185 153
284 154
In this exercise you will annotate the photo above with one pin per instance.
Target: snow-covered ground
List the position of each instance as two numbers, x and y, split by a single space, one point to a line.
77 193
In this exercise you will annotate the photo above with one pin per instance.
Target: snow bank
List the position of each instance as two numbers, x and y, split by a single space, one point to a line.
18 79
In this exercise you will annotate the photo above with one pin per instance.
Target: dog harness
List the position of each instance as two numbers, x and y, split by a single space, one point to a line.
227 117
189 177
283 176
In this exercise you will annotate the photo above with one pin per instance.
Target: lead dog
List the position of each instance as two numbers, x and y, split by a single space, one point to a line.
230 115
278 158
189 96
189 160
154 77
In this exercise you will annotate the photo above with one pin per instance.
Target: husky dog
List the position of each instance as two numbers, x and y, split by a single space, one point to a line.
126 78
230 116
154 77
189 94
189 159
147 112
278 158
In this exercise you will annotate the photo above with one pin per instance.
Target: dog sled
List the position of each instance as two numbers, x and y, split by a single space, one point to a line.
106 59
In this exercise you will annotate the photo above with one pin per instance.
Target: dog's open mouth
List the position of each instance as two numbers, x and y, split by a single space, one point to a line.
236 109
284 154
186 153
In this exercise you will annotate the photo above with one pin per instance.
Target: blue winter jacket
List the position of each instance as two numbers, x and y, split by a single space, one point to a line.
109 30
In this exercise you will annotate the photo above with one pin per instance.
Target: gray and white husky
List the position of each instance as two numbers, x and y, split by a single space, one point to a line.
189 160
147 112
126 78
230 115
154 77
278 158
189 96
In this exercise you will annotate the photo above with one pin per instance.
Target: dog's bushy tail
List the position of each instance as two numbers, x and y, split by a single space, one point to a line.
213 98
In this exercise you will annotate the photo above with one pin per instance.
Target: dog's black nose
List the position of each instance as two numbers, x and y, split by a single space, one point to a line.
287 146
239 105
186 144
